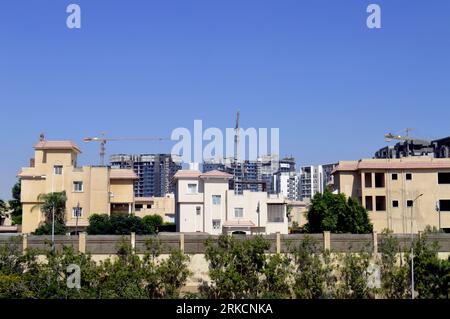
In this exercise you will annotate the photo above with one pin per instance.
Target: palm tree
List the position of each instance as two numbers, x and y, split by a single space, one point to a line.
56 201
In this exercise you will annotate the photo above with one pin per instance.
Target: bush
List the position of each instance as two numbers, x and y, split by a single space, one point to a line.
117 225
153 222
46 229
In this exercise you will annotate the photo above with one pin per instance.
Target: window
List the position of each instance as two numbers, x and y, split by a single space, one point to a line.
238 212
275 213
394 177
379 180
57 169
216 224
192 188
138 207
444 205
395 203
409 203
216 199
78 186
409 177
444 178
369 203
77 212
380 203
199 210
368 180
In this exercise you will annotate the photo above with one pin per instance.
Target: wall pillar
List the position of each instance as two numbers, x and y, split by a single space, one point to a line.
82 242
133 241
278 243
24 243
375 242
182 242
326 240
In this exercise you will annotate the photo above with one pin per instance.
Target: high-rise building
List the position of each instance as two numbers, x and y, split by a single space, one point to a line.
314 179
253 175
155 172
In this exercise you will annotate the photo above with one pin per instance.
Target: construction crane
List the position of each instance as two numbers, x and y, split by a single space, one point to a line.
103 140
389 137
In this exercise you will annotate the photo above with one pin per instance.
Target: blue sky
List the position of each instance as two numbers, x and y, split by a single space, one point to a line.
142 68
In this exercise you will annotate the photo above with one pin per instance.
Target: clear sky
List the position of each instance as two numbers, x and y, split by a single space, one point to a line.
142 68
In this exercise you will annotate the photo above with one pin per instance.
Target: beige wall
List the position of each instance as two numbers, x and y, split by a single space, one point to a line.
93 199
162 206
398 219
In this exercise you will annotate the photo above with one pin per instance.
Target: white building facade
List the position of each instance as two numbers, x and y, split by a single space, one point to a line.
204 203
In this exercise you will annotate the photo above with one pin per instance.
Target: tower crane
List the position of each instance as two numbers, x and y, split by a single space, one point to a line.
389 137
103 140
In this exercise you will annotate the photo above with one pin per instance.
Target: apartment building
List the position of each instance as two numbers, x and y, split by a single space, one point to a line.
314 179
396 191
155 172
256 176
206 203
89 189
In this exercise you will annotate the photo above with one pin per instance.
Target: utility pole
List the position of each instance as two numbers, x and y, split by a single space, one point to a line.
438 208
412 249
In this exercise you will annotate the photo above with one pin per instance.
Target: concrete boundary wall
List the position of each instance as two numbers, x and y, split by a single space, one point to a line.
194 244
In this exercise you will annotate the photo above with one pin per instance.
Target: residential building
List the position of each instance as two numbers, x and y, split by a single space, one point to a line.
155 172
162 206
314 179
398 191
205 203
288 185
89 189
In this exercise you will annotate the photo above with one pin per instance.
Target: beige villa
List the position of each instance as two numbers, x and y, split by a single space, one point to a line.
394 191
90 189
204 203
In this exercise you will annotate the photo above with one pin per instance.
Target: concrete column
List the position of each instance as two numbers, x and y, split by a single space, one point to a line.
182 242
278 243
129 209
375 242
133 241
24 243
326 240
82 242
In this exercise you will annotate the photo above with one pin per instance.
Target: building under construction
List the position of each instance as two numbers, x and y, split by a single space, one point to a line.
155 172
408 147
253 175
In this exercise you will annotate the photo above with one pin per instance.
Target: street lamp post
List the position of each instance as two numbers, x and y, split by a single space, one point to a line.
412 249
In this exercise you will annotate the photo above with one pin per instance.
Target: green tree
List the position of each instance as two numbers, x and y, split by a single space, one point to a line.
394 271
354 274
152 222
116 225
15 204
337 214
431 274
99 225
239 268
3 209
314 278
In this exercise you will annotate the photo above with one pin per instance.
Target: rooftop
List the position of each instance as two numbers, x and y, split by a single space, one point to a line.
57 145
117 173
417 163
